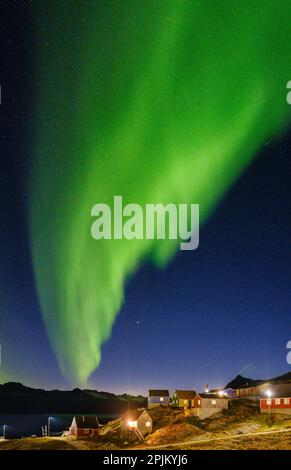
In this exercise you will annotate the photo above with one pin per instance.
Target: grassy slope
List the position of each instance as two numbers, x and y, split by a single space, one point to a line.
35 444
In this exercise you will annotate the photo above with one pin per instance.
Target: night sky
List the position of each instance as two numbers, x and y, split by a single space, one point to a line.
205 317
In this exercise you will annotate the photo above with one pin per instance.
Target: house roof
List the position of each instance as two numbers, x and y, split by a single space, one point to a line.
87 422
132 415
186 394
211 395
279 391
159 393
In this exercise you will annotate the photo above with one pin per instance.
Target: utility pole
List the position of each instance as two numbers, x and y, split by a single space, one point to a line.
49 425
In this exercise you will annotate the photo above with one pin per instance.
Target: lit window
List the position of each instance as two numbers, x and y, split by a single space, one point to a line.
185 402
269 402
148 424
277 401
286 401
199 401
213 402
161 398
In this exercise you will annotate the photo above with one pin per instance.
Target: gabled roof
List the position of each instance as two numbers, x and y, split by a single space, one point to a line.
186 394
87 422
278 391
159 393
133 415
211 395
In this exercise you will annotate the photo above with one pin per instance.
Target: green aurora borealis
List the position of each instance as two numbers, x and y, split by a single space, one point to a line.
157 101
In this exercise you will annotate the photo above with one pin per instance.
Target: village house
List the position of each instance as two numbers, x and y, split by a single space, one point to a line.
183 399
253 392
136 422
158 397
206 404
279 401
84 426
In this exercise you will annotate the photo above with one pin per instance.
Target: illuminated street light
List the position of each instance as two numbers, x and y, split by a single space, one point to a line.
132 424
269 394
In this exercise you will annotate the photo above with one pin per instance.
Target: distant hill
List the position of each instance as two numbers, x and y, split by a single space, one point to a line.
242 382
16 398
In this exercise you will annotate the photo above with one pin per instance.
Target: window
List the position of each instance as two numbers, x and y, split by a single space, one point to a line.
185 402
277 401
269 402
286 401
86 431
161 398
148 424
199 401
213 402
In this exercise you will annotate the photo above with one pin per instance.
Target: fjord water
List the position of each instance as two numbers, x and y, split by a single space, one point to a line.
18 426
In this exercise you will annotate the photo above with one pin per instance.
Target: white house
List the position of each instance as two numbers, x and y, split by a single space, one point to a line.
158 397
206 404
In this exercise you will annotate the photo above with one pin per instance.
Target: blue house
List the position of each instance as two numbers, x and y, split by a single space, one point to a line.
158 397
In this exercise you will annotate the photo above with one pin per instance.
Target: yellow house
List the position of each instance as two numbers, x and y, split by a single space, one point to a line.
183 399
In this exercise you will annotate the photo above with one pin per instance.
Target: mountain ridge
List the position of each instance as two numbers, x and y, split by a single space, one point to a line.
243 382
16 398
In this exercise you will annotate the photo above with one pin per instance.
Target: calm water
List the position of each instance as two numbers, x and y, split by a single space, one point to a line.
27 425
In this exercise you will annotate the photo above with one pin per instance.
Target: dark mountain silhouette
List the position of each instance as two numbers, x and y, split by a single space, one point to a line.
15 398
241 382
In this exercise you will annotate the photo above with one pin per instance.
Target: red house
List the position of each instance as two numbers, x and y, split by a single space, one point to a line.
279 401
84 426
